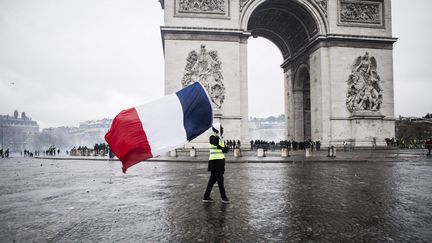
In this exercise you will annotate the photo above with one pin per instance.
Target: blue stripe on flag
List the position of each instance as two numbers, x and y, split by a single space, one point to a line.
197 110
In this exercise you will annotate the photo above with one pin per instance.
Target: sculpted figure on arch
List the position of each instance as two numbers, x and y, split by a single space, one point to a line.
364 90
206 68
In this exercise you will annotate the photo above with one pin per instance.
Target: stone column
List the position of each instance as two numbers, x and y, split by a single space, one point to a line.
244 92
289 103
321 96
298 114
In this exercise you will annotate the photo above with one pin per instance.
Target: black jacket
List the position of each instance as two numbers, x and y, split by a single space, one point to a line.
218 164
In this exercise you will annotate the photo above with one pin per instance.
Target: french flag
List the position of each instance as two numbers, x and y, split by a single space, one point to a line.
153 129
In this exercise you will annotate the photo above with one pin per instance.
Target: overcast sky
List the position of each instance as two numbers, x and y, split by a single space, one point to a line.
67 61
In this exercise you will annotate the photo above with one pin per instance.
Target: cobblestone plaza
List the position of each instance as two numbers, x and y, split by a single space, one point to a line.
92 201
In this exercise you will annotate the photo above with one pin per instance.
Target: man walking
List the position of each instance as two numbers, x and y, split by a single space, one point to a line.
216 164
428 146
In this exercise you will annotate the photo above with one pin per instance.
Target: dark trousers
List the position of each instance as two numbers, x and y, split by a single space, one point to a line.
215 176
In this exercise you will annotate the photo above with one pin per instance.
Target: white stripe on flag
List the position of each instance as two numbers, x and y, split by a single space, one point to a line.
162 121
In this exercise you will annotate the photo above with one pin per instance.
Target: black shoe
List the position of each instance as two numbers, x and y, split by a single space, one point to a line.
225 200
208 200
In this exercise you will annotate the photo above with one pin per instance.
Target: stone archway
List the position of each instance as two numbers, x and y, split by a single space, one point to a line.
290 25
333 90
302 104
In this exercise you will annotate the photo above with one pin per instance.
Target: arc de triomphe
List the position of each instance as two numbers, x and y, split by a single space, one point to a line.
338 63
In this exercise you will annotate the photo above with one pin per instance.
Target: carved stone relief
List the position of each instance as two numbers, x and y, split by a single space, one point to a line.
363 12
206 68
323 5
364 90
202 6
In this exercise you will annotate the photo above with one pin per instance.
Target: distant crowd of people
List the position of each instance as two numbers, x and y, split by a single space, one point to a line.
27 153
51 151
291 145
103 149
4 154
232 144
80 151
98 149
413 143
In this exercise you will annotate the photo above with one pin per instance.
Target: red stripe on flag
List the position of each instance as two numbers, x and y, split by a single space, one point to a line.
127 139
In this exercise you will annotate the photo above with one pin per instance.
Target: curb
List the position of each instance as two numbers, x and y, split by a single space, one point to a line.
250 161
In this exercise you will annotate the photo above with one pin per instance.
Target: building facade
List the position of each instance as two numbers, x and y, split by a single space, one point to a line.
17 133
338 63
90 132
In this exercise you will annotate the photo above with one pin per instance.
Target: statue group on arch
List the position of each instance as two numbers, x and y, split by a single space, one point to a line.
364 90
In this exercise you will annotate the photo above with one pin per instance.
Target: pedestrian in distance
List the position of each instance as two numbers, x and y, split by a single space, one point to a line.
216 164
428 145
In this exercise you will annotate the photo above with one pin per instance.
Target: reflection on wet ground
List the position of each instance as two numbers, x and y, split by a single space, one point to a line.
92 201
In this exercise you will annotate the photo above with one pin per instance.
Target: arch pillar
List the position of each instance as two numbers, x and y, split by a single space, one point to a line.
290 117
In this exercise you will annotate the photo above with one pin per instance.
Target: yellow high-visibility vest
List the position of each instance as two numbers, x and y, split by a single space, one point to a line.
216 153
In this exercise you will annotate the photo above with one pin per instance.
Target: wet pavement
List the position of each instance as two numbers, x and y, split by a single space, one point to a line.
334 201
